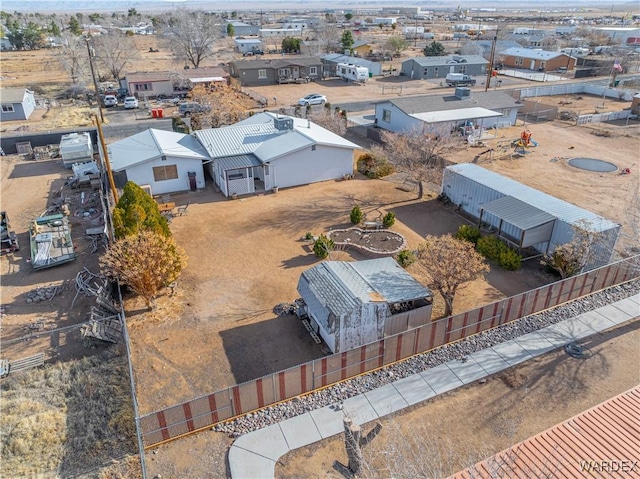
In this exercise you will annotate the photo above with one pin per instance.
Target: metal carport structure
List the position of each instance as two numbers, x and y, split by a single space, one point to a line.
535 226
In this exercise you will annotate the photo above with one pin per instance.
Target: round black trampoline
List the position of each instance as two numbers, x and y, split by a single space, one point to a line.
592 164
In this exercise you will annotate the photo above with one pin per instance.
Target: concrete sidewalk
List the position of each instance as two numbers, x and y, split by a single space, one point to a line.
254 455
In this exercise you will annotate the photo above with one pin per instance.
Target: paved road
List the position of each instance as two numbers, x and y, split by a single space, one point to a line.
121 123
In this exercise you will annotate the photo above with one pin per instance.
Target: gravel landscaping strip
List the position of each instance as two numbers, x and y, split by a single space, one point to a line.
361 384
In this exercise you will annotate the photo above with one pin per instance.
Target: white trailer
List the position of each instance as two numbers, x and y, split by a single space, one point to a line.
76 148
351 72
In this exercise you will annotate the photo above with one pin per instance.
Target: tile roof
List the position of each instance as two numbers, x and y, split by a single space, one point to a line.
606 437
491 100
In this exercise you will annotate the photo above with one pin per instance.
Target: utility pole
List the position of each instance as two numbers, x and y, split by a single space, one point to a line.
95 82
491 61
107 163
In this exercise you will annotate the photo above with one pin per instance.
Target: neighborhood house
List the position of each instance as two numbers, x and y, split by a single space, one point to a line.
538 60
272 72
427 68
351 304
447 113
17 104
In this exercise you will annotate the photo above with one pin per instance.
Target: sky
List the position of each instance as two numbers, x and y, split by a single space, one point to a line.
160 5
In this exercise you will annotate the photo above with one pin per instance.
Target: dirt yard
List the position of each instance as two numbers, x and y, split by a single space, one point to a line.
514 405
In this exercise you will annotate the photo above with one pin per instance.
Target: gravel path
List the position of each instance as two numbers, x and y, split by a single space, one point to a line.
367 382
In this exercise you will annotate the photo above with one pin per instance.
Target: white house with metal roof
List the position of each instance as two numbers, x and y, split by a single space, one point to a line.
164 160
350 303
445 113
524 216
268 150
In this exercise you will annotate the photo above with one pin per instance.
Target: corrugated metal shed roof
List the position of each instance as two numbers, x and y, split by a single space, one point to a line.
562 210
518 213
342 285
607 434
239 161
150 144
456 115
258 135
530 53
491 100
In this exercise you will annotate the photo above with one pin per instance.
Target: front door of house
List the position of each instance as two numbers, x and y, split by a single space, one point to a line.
296 72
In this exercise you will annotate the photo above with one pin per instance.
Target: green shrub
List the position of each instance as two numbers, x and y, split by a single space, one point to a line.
356 215
509 260
389 219
322 246
492 248
308 235
405 258
468 233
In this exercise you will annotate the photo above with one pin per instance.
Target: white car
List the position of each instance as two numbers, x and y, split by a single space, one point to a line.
313 99
110 100
130 102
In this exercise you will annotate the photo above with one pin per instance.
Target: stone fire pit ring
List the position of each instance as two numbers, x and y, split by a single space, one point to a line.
378 242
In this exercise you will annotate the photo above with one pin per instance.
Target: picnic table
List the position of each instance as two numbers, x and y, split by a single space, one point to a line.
166 207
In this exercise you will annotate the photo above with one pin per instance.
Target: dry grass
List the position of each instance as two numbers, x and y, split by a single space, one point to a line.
67 418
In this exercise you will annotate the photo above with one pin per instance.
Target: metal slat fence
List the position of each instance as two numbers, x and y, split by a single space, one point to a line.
206 411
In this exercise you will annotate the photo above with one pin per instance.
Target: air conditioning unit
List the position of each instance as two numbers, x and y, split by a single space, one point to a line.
283 124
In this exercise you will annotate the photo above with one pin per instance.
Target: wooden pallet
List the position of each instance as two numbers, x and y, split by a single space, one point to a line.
26 363
313 334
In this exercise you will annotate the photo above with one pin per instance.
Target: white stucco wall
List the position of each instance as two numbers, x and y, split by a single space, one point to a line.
307 166
142 174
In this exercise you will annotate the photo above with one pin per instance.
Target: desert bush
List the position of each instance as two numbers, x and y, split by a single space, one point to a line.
491 247
405 258
323 246
308 236
389 219
374 166
468 233
356 215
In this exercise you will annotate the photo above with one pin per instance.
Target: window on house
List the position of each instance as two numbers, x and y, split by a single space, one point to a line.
463 69
313 147
435 72
262 74
542 65
284 72
7 109
386 116
313 70
162 173
519 61
143 87
425 72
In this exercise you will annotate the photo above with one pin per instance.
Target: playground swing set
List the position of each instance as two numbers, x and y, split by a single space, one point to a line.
510 148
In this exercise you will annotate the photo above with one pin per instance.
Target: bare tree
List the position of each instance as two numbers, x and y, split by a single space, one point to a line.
191 36
420 154
332 120
227 106
114 52
471 48
570 258
449 262
74 58
324 39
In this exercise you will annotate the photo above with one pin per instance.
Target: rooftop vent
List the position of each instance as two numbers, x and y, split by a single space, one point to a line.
283 124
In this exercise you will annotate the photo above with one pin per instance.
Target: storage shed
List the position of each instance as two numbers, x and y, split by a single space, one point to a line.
523 215
350 303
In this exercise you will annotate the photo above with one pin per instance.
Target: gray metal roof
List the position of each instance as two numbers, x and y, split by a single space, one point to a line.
12 95
560 209
530 53
518 213
277 63
490 100
449 60
239 161
342 285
